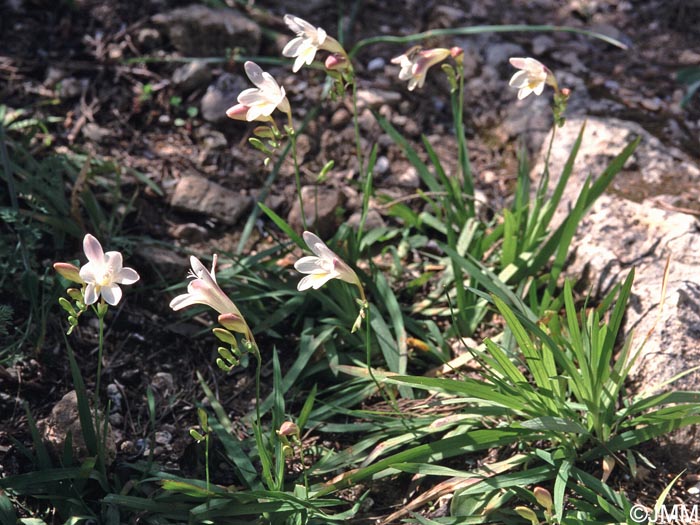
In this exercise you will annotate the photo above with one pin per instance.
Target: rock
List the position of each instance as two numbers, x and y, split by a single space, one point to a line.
163 437
618 234
148 38
497 54
376 64
189 232
191 76
408 178
95 133
382 165
220 96
64 420
167 263
340 118
211 139
374 98
321 207
163 383
72 87
542 44
194 193
372 221
197 30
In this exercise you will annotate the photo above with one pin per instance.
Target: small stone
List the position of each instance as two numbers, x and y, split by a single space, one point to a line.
499 53
163 382
382 165
220 96
95 133
148 38
115 397
542 44
374 98
192 75
72 87
163 437
372 220
189 232
376 64
340 118
170 265
194 193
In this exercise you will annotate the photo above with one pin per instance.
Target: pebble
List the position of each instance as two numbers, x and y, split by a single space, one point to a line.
376 64
340 118
192 75
382 165
163 437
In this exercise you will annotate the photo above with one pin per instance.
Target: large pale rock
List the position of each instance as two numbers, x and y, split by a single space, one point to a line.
619 234
197 30
63 420
197 194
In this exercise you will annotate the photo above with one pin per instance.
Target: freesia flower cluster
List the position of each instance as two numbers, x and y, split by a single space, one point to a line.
100 278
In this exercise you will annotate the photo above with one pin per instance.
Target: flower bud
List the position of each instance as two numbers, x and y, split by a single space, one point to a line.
336 62
68 271
543 497
233 322
528 514
288 429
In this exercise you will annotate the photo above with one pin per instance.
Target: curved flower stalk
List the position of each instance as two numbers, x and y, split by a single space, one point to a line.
102 274
309 40
531 78
203 289
263 99
416 62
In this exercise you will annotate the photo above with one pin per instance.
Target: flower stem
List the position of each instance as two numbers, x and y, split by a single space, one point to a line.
356 125
297 176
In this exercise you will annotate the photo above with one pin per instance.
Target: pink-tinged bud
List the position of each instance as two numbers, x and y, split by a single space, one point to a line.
456 51
336 62
288 429
237 112
69 271
234 322
565 92
543 497
75 294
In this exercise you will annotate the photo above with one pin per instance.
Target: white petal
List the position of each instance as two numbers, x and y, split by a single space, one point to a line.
520 63
115 260
256 111
292 47
126 276
254 72
314 281
519 79
182 301
298 25
93 249
524 92
539 88
90 294
308 264
88 272
112 294
249 96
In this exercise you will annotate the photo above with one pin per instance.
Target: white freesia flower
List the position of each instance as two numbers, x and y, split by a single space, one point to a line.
308 41
326 265
103 273
203 289
263 99
531 78
415 64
